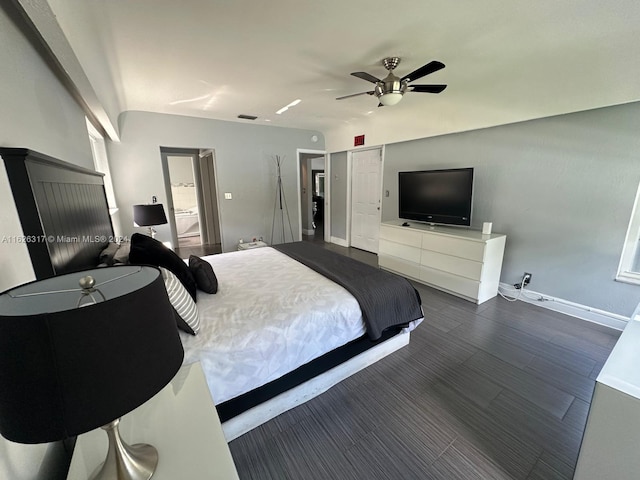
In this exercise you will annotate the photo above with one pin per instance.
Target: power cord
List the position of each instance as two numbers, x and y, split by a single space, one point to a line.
520 288
517 297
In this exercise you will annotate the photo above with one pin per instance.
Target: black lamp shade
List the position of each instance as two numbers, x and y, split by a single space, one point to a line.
149 215
66 370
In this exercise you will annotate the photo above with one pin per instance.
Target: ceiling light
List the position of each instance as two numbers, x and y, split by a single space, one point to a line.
389 99
292 104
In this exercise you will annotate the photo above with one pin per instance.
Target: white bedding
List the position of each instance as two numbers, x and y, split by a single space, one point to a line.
271 315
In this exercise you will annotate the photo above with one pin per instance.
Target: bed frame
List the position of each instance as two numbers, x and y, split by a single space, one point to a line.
62 208
305 383
56 199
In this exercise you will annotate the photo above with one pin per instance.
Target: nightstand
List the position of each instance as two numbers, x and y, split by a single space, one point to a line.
251 245
180 421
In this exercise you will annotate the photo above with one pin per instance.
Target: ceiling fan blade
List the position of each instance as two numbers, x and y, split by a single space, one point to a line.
366 76
427 88
430 67
355 95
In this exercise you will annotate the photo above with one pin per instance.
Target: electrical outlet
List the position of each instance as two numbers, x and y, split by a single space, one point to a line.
526 278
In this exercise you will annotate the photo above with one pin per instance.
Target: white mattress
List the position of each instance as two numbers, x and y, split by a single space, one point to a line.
271 315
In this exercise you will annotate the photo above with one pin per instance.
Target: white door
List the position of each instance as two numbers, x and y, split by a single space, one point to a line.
365 199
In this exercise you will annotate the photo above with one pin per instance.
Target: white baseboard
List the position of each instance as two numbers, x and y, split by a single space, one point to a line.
240 424
308 232
339 241
584 312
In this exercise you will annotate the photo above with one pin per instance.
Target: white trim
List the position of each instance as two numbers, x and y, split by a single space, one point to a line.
584 312
308 231
299 189
624 273
101 163
628 277
218 201
264 412
348 200
339 241
327 197
299 196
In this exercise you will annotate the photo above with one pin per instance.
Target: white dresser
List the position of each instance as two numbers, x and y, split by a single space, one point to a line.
463 262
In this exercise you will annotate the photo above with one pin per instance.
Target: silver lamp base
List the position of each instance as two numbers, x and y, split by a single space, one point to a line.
126 462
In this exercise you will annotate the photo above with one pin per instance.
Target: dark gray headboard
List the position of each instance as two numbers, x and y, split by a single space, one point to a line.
62 208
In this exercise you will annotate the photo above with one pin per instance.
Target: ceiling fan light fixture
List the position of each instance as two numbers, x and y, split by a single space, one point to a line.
389 99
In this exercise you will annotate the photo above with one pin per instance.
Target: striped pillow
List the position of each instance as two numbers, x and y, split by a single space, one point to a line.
184 306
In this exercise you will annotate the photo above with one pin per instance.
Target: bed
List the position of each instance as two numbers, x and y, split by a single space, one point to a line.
277 332
273 325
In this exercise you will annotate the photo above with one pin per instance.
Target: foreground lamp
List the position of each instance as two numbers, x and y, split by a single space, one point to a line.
79 351
149 216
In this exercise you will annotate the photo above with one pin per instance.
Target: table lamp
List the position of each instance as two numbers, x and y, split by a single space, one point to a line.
80 350
149 216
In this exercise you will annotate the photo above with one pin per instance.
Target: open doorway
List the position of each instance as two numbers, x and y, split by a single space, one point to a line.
192 200
311 194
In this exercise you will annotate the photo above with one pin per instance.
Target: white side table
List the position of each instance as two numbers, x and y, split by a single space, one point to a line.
250 245
609 449
180 421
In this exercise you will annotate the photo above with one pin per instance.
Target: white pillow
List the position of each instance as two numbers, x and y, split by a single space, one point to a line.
186 310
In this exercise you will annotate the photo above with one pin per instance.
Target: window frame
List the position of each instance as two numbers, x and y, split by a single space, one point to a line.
101 164
631 246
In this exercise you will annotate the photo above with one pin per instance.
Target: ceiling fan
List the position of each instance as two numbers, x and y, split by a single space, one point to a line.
390 89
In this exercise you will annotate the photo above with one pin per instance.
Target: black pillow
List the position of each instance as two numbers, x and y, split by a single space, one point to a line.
148 251
202 271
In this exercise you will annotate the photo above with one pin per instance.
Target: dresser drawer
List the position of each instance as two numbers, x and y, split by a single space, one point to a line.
412 254
453 246
403 235
398 265
453 283
455 265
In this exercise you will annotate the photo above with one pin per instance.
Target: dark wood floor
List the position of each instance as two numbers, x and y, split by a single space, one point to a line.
496 391
186 249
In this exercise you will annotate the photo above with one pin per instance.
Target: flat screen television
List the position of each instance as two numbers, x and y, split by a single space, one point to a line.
436 196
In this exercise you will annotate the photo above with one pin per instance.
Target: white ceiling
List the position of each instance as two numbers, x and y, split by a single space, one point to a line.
506 61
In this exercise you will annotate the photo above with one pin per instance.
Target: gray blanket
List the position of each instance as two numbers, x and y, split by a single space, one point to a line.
386 300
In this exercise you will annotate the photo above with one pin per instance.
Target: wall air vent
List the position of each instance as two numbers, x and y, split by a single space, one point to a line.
247 117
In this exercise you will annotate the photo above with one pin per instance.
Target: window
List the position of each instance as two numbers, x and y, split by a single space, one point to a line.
101 162
629 269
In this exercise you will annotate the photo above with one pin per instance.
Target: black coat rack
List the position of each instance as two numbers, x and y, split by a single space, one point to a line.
280 208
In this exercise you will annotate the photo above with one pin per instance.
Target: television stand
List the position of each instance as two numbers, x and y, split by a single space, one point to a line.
465 263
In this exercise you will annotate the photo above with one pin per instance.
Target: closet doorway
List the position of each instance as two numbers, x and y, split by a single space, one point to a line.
312 197
192 199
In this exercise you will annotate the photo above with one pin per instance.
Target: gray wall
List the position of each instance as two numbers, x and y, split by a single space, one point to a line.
37 113
244 161
560 188
338 196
